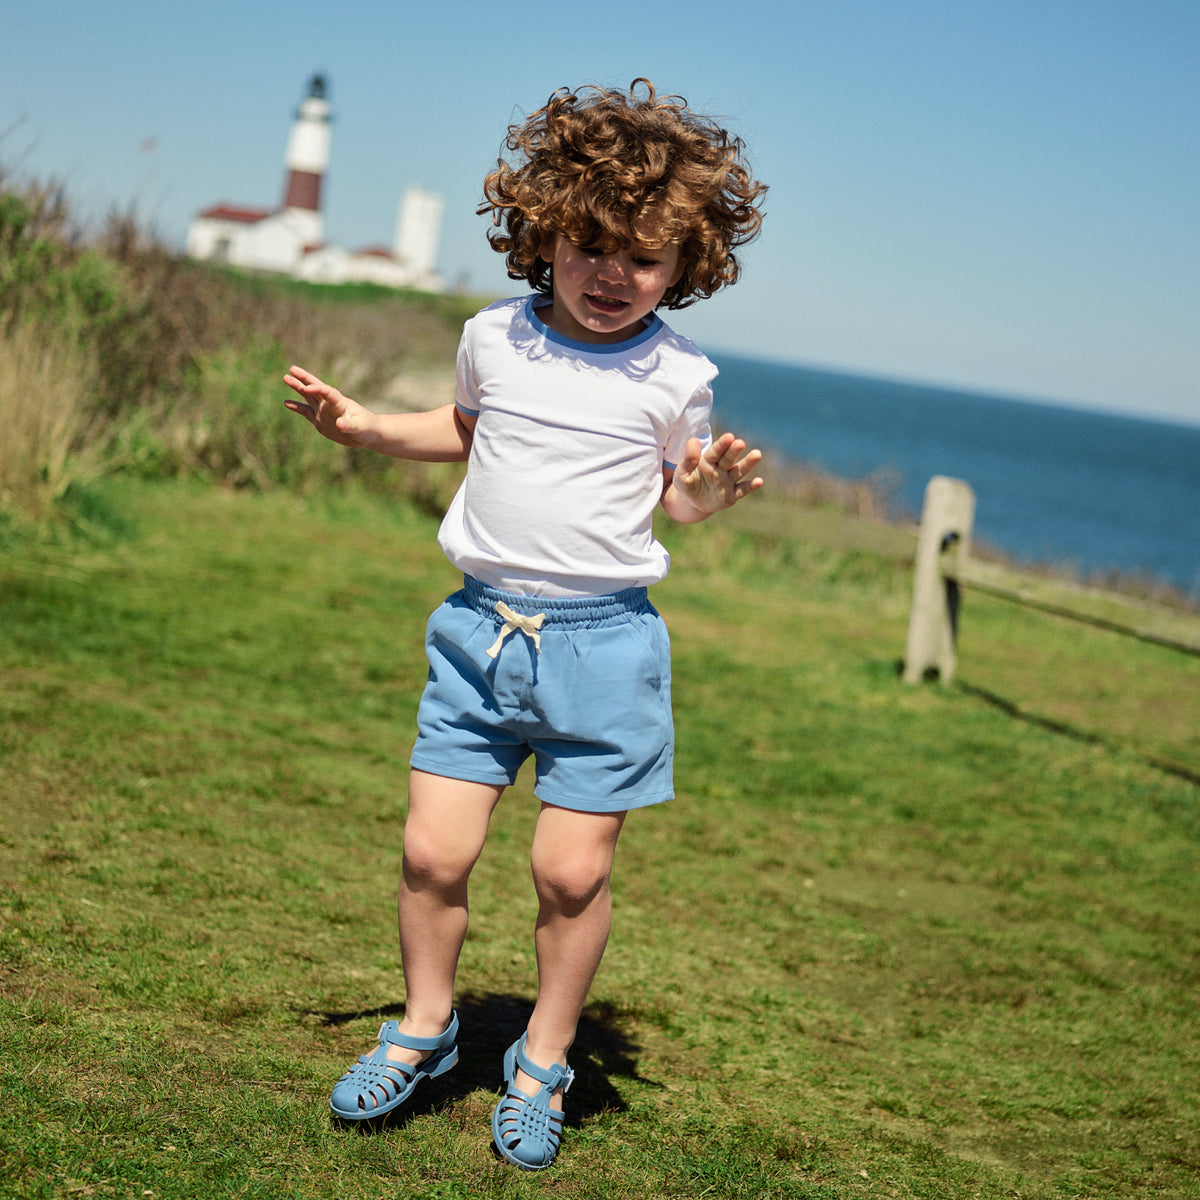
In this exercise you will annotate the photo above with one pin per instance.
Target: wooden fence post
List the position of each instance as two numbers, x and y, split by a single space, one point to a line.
946 520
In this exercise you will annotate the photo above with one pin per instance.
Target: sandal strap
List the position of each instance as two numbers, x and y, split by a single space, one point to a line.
389 1032
554 1076
376 1068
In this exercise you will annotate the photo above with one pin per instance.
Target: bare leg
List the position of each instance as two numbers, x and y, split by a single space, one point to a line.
572 863
443 837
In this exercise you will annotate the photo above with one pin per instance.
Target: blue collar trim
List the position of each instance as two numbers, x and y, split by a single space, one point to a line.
653 325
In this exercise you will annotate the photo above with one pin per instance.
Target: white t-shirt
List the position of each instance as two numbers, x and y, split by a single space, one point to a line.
566 463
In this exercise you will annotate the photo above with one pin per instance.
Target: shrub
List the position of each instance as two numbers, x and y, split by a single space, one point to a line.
53 437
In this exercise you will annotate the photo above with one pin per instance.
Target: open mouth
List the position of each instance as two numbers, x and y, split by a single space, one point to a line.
606 304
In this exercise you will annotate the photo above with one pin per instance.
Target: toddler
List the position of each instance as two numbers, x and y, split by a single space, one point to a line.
578 411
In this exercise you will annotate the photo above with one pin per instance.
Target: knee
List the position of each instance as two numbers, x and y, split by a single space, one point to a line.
432 863
571 882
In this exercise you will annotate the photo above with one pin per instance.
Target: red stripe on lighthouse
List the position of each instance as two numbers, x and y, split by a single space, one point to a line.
303 191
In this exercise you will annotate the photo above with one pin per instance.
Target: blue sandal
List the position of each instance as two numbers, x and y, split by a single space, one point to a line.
525 1128
375 1084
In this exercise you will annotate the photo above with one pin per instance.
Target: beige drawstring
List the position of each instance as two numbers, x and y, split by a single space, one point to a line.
529 626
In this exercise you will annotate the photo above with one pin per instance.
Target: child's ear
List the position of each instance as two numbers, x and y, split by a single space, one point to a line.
546 247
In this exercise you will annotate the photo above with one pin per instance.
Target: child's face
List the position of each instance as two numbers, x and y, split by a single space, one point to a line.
605 297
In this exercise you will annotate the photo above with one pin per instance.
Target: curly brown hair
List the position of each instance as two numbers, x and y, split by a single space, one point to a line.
600 167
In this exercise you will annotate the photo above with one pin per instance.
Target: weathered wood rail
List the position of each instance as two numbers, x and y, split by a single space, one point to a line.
944 567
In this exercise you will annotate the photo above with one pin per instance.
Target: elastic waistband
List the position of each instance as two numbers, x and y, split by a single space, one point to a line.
561 612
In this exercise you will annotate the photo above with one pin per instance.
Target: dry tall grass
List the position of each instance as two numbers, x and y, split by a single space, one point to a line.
53 437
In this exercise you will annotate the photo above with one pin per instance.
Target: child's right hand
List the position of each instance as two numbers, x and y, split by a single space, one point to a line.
331 414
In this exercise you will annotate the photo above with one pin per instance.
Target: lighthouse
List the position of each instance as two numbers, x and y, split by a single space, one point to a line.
290 239
307 160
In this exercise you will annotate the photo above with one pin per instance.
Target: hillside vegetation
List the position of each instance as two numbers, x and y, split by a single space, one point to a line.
117 357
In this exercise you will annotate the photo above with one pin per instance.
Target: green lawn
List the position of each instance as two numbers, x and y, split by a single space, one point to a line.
887 941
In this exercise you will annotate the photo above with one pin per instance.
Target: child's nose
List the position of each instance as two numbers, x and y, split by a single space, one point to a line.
613 268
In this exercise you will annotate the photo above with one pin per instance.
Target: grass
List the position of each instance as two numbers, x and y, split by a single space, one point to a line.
888 941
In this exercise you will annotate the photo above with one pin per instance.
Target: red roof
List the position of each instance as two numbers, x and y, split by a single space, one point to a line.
374 252
228 212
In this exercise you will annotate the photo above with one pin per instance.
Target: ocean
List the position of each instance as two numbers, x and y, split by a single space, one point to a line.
1090 491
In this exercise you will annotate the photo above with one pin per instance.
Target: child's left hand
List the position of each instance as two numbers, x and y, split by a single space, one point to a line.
716 478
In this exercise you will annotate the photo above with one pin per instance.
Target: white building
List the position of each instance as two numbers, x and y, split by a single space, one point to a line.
291 238
419 230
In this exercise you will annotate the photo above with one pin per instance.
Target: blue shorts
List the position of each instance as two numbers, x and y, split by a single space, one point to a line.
592 705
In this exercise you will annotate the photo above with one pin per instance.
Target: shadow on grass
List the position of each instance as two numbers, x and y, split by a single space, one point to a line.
488 1025
1065 729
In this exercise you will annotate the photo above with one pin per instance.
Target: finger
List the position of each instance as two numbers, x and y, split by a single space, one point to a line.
725 452
311 395
693 452
717 450
304 410
747 463
307 383
732 456
746 488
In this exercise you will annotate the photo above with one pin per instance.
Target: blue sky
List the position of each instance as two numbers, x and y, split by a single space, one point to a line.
1001 196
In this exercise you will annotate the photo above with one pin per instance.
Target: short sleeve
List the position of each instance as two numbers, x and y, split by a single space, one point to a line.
466 383
693 422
